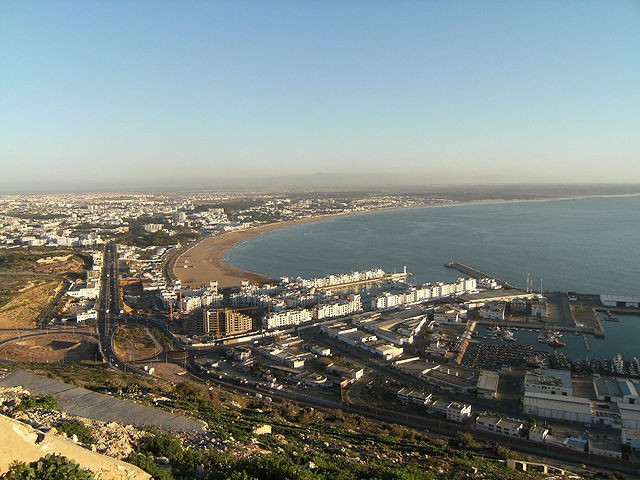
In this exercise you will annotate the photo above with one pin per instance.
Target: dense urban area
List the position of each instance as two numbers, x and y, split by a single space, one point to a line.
360 374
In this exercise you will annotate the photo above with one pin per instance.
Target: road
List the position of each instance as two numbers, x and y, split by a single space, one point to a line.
109 315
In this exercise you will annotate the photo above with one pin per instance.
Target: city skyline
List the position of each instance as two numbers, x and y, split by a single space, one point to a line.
149 95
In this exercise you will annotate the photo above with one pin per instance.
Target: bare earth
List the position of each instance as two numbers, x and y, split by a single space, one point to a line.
203 263
23 310
51 347
135 343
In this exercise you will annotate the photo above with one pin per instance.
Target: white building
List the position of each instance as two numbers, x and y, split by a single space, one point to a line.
631 437
504 426
90 290
538 433
387 351
446 316
539 308
620 301
285 318
616 390
351 373
454 411
189 304
152 227
488 384
458 412
555 382
547 405
338 308
492 311
407 395
88 315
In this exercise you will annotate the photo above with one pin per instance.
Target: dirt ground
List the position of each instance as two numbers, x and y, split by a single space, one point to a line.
23 310
135 343
168 371
51 348
29 281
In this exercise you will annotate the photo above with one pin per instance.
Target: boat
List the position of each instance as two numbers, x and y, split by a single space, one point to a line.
610 317
618 364
556 343
493 331
507 335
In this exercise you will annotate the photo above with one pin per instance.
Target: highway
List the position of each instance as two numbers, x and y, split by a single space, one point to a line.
109 309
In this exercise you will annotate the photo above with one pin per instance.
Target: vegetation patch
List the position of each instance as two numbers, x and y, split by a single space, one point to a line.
73 426
49 467
30 402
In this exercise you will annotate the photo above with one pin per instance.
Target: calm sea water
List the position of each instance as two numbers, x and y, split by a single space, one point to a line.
589 245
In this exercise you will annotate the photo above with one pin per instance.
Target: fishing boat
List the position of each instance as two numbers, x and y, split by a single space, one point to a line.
556 343
493 331
507 335
618 364
610 317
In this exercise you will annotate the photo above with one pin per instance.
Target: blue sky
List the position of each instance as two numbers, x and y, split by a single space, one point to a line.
207 94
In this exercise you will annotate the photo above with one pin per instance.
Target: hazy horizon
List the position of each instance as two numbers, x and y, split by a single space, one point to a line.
110 96
323 184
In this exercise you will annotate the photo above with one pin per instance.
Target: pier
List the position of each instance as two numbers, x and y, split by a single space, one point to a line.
477 274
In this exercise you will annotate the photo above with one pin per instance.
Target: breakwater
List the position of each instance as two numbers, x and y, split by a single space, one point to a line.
472 272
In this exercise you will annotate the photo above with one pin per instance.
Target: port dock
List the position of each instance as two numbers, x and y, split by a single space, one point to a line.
477 274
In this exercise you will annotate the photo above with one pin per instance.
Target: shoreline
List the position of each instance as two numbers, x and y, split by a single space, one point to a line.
205 261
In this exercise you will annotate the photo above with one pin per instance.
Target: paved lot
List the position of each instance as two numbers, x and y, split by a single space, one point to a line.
96 406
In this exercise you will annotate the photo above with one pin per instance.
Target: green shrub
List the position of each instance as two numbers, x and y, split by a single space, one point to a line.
50 467
75 427
147 464
161 444
30 402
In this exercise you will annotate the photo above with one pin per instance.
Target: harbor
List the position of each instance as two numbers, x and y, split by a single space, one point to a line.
583 332
477 274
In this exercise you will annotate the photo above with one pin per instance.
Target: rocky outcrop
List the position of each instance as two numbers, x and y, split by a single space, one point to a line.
20 442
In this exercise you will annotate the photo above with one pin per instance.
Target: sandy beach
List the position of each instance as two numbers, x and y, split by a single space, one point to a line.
204 262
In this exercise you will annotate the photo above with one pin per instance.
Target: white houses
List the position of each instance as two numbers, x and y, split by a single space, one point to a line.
338 308
504 426
407 395
286 317
454 411
492 311
458 412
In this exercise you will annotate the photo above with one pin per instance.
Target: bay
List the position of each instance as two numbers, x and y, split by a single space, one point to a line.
588 245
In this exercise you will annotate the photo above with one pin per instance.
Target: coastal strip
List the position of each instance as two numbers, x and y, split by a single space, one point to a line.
205 260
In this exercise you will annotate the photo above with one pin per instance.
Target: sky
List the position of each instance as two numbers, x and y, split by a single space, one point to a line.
196 94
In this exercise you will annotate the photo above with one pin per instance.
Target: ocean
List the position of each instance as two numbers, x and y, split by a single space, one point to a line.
588 245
